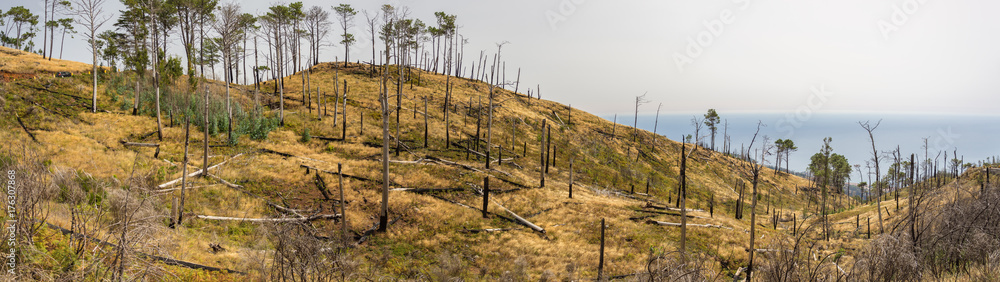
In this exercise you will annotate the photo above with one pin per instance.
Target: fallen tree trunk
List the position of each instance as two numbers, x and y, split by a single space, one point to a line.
148 145
425 190
196 173
328 138
679 225
447 162
652 206
26 128
521 220
334 173
488 230
287 155
175 189
772 251
286 219
673 214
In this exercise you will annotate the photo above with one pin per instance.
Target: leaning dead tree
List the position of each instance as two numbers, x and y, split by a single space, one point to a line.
868 127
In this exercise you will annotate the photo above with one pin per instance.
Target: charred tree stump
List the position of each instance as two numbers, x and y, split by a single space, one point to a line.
555 150
343 204
600 263
486 196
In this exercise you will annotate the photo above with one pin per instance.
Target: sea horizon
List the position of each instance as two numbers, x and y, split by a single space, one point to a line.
972 136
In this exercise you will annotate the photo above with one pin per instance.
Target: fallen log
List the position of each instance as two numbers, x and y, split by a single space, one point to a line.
426 190
772 251
521 220
328 138
641 217
196 173
673 214
286 219
334 173
287 155
652 206
488 230
175 189
25 128
321 185
148 145
447 162
126 143
689 224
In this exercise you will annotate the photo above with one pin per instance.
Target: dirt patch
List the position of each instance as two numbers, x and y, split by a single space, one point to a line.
10 76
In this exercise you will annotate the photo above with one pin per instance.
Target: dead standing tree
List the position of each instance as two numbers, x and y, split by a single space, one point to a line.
752 170
656 122
384 103
90 14
868 127
683 195
639 101
489 122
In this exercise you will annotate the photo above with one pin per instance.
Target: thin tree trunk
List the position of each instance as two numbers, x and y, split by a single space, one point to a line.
571 178
384 216
187 131
541 155
425 121
683 200
343 205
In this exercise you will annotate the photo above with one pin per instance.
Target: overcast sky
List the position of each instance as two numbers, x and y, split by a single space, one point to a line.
735 55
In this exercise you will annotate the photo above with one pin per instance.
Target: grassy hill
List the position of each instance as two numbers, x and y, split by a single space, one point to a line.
88 175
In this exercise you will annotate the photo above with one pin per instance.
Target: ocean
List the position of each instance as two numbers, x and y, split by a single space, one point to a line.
974 137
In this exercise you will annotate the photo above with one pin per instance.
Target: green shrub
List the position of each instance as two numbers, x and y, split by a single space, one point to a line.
305 136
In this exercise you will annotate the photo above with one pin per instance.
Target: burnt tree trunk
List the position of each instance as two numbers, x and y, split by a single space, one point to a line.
600 263
486 196
541 155
343 204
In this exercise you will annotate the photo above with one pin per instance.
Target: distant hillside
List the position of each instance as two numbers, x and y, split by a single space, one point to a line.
20 64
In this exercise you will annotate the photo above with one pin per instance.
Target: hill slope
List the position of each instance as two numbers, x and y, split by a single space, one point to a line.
431 231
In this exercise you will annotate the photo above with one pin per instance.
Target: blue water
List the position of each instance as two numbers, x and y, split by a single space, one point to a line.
975 137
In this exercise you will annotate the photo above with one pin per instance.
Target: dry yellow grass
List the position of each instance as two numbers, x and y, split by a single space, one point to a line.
603 168
17 61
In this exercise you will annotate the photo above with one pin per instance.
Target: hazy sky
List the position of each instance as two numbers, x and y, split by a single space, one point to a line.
733 55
